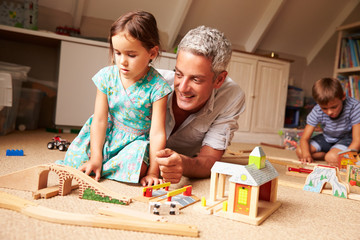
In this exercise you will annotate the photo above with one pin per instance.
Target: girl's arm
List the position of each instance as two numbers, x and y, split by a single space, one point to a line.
157 141
97 136
305 144
355 144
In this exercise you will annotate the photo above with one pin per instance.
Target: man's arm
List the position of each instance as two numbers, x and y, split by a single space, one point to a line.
200 166
173 165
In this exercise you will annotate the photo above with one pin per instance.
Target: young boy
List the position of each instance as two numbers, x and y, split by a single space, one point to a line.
339 117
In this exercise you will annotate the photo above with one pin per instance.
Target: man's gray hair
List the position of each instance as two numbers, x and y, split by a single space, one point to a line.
210 43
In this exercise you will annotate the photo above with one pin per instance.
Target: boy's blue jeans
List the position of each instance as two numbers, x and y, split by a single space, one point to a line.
322 145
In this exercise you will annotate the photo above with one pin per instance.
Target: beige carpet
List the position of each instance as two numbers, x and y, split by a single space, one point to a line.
302 215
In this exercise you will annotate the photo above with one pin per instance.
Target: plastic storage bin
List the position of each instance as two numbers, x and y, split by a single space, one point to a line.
5 90
8 114
291 137
29 109
295 97
48 103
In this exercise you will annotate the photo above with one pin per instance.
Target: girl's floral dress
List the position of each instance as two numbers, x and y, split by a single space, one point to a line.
127 135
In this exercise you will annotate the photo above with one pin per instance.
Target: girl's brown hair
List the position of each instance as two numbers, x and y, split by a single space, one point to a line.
326 89
140 25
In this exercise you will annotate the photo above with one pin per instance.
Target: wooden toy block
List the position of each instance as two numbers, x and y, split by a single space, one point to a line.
149 194
252 190
50 192
257 157
210 206
348 157
353 178
185 190
36 211
147 191
323 174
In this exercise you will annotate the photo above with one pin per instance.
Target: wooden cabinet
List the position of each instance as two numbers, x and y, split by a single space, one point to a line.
76 90
243 71
264 81
347 60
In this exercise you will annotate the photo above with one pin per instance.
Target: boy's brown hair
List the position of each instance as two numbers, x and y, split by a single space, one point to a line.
326 89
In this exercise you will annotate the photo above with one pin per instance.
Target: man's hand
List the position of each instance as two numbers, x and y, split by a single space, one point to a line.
170 165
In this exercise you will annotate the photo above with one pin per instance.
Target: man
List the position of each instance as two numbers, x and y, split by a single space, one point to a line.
203 110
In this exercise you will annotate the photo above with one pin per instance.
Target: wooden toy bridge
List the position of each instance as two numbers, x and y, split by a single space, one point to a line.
36 178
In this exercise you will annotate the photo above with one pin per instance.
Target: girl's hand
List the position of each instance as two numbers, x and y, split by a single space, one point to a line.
150 180
92 166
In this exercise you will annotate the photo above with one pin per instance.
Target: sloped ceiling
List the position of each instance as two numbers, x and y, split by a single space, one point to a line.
294 27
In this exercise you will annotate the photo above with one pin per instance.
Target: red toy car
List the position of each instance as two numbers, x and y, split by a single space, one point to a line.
59 143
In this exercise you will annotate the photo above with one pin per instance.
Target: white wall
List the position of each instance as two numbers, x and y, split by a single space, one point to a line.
63 5
322 66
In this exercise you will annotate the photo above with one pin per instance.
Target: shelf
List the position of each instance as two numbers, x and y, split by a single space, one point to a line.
351 26
344 57
349 77
348 70
45 37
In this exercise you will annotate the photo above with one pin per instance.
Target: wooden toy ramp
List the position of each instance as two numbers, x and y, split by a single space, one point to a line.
36 178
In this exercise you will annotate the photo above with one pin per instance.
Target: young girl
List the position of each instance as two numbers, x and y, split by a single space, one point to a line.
130 108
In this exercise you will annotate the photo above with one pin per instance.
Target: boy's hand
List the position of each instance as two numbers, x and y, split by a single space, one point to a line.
307 159
150 180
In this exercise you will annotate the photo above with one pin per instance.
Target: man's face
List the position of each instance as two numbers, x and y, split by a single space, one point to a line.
333 108
194 81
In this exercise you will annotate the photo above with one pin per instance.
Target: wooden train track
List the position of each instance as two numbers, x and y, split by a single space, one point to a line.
36 211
